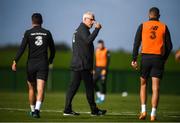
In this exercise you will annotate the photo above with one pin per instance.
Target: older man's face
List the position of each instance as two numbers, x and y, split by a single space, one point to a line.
89 21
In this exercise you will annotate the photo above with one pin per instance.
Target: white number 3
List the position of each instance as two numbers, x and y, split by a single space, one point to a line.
38 41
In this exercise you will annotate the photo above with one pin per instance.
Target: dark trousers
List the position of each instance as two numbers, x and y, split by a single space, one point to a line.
99 80
77 76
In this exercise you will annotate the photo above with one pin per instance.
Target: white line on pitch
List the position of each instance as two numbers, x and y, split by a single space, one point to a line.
169 114
59 111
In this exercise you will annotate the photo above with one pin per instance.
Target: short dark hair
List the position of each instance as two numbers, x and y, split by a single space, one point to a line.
101 41
37 18
155 11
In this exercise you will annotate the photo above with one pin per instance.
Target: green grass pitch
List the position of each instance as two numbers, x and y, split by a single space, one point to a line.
14 107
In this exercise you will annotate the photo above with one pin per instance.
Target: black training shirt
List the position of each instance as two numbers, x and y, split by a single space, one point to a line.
38 40
83 48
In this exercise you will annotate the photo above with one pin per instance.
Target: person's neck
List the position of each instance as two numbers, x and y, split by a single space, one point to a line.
154 18
36 25
85 25
102 48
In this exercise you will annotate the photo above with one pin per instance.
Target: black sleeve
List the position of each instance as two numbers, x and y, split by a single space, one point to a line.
89 38
137 42
22 47
168 44
52 49
108 59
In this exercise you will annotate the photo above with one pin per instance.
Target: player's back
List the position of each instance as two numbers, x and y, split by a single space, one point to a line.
153 37
38 40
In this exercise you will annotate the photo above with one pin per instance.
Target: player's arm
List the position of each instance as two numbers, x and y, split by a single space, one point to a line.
168 44
51 48
89 38
20 51
108 56
104 71
137 43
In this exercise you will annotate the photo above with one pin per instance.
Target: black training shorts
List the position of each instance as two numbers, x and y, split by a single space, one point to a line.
151 66
98 75
37 69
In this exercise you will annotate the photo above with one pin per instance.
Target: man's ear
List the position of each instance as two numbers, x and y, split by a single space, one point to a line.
84 19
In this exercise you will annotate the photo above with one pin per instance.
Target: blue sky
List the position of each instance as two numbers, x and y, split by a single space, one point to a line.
120 19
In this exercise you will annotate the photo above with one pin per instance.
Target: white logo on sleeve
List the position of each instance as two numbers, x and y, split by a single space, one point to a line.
38 41
74 37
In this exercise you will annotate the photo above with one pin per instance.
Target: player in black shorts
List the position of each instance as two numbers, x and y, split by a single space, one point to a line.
38 41
154 38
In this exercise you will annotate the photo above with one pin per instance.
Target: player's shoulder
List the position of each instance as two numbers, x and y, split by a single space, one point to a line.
162 23
152 21
140 25
106 49
82 28
45 30
28 31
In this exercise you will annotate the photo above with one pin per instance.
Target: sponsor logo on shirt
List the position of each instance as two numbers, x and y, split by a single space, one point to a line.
39 40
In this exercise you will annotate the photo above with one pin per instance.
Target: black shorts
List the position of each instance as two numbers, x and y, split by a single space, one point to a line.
37 69
97 76
151 66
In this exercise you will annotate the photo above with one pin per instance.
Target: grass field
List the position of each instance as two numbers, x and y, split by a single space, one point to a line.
14 107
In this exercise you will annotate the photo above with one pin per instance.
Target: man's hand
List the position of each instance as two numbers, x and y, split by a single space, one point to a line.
134 65
103 72
177 56
13 66
98 25
93 72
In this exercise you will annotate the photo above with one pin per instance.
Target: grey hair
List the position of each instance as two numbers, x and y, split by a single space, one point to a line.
87 14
